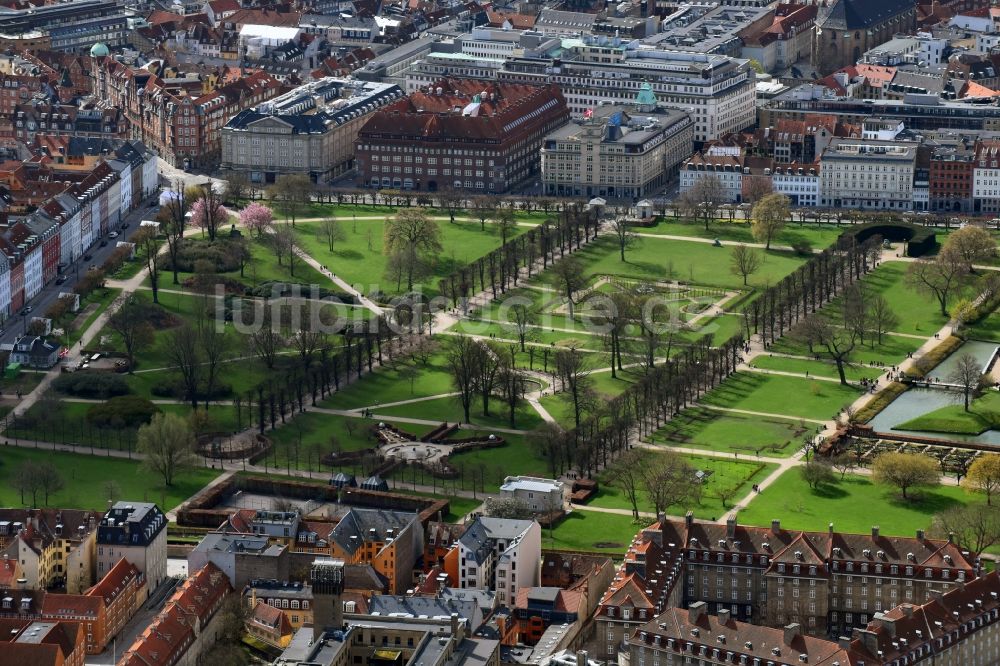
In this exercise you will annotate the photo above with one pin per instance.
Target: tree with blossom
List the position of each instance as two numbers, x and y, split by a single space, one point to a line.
257 217
209 214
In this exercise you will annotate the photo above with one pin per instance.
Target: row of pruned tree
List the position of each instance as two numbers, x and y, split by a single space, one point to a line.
502 268
606 427
808 288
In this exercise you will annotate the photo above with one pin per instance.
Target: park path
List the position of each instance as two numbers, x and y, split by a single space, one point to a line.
751 412
786 373
414 421
397 403
74 355
711 241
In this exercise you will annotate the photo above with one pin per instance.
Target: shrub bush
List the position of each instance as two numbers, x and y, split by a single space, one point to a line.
802 247
222 254
95 385
129 411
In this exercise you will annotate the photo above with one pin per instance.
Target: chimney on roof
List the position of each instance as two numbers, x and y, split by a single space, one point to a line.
689 518
844 642
731 527
920 535
695 611
936 595
868 638
951 537
775 526
907 610
887 624
581 658
874 531
791 631
830 527
724 615
661 518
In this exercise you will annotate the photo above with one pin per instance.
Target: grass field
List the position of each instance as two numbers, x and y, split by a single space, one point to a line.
891 351
592 531
85 477
697 263
738 231
388 384
738 433
726 478
516 458
983 415
449 409
814 368
772 394
918 312
359 257
852 505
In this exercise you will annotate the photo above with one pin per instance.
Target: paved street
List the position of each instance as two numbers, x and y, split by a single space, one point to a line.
16 324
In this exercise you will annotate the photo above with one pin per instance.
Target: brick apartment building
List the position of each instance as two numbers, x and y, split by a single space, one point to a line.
827 582
463 134
180 116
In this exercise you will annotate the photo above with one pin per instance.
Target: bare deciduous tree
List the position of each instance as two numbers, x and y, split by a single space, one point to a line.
745 261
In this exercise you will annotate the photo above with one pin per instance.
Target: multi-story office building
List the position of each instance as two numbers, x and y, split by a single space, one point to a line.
69 26
717 91
309 130
868 174
464 134
617 151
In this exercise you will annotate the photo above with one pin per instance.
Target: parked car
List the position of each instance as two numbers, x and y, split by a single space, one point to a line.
88 257
104 242
61 279
113 234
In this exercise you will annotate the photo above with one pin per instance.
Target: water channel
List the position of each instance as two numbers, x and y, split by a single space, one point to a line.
918 401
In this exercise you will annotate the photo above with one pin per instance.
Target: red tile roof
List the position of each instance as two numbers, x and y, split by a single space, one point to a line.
116 581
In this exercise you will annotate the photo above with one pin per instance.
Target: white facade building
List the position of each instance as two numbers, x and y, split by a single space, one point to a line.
4 288
539 495
867 174
500 554
798 182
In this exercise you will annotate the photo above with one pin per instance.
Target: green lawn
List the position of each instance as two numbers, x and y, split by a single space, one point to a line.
697 263
738 231
450 410
983 415
918 312
85 477
785 396
852 505
728 479
66 423
891 351
516 457
988 328
814 368
738 433
388 384
263 267
593 531
359 258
